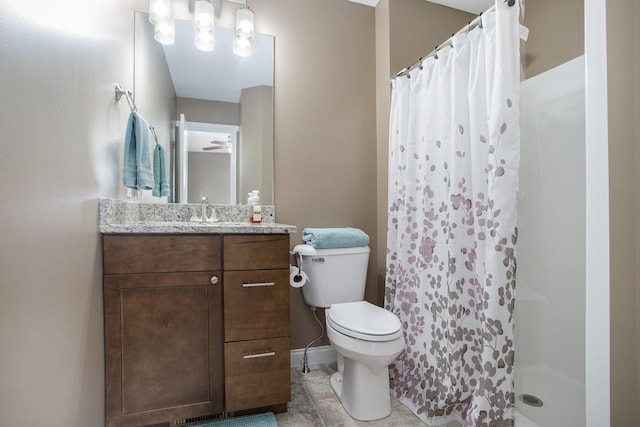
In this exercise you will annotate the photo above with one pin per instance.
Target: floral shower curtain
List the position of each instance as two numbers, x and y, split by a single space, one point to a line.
453 179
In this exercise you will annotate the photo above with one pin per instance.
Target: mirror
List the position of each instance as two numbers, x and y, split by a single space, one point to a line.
223 145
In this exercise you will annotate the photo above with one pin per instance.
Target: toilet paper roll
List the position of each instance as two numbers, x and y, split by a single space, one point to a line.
297 278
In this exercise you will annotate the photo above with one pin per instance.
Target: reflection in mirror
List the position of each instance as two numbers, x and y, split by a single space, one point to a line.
206 161
224 143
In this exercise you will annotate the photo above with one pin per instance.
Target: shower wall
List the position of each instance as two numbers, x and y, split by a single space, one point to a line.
550 301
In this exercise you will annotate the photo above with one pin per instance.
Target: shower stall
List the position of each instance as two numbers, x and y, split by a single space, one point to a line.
551 278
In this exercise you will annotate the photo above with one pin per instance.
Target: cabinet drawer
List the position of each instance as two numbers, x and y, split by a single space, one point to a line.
257 373
254 252
256 304
161 253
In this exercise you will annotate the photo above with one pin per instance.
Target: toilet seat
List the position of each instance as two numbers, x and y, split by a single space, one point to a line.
364 321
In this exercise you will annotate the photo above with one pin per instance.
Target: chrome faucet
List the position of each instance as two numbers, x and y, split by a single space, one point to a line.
205 217
205 203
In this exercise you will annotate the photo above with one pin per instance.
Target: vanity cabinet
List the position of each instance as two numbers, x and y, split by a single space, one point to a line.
179 338
256 321
163 327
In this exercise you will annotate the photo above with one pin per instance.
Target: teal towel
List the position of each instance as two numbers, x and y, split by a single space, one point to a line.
160 182
327 238
137 160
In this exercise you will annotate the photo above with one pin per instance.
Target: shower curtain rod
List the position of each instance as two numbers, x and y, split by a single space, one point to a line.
470 26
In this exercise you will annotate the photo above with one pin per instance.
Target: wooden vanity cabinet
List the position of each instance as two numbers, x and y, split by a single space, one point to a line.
163 328
256 321
183 338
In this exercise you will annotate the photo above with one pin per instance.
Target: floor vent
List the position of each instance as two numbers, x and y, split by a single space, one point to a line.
531 400
187 421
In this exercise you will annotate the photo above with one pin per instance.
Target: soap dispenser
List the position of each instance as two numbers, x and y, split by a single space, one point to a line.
255 214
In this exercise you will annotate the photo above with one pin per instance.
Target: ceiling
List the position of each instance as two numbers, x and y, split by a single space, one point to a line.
217 75
471 6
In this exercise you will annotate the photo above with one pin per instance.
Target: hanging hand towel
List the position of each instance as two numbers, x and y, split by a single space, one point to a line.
160 183
137 160
328 238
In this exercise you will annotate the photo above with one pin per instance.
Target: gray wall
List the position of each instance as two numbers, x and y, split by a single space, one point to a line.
202 111
209 177
255 169
60 150
623 47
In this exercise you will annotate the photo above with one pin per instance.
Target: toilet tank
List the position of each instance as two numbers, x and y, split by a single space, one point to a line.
335 275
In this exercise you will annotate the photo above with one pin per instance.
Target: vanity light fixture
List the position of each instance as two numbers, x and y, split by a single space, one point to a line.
244 31
159 10
165 32
204 25
241 46
160 16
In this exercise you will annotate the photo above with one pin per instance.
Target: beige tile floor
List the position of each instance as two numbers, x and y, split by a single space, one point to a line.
313 404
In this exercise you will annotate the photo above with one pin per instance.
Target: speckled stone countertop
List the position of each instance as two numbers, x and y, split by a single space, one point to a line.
118 216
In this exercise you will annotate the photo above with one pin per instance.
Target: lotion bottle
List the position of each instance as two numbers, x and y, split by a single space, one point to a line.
255 215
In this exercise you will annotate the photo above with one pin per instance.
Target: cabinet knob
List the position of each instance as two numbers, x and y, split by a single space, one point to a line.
214 280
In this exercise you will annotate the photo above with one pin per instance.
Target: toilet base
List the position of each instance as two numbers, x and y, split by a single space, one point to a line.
364 395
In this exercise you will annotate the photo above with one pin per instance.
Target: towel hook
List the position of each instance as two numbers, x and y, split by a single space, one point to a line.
153 132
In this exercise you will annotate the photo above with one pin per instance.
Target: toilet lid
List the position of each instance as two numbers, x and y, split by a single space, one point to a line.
364 321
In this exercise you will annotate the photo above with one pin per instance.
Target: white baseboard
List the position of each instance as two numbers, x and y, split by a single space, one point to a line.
321 355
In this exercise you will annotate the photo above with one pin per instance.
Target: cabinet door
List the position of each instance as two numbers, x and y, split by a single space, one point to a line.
163 340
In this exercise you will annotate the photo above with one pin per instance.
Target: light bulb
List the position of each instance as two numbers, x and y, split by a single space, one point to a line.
244 23
203 14
165 31
159 10
241 46
204 39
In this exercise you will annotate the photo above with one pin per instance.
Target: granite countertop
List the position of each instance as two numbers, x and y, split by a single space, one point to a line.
197 227
118 217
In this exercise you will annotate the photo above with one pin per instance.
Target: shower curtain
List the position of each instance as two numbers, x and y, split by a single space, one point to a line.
453 179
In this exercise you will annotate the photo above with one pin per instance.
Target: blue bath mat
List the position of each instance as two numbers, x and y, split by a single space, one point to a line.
259 420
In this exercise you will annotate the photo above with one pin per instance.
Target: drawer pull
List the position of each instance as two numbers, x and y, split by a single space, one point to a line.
214 280
255 356
257 285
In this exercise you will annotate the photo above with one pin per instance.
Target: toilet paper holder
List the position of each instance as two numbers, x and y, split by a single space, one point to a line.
298 260
297 277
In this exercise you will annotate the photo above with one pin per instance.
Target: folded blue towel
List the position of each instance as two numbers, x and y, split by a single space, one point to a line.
327 238
160 182
137 159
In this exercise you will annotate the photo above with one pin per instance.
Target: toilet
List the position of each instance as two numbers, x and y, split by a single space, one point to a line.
367 338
